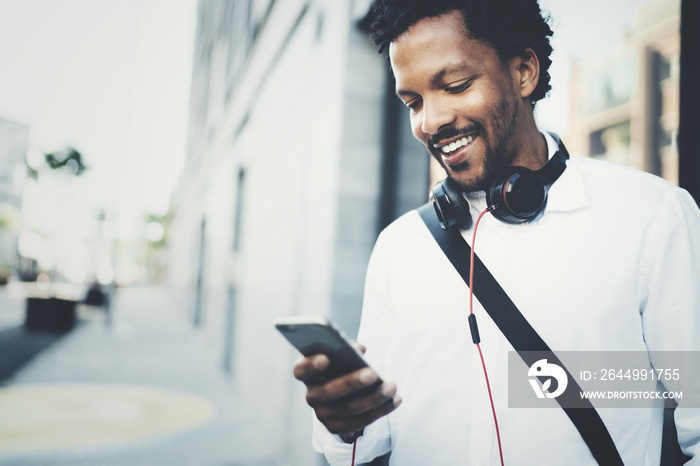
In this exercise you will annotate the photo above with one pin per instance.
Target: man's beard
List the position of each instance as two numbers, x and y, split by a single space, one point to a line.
496 158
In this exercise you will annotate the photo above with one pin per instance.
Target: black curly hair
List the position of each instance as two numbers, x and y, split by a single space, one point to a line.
509 26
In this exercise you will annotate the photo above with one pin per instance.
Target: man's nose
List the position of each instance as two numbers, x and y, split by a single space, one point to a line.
436 116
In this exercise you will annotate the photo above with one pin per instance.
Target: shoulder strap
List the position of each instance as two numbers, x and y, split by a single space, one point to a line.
522 336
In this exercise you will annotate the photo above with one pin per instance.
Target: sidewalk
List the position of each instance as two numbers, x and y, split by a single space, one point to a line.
147 391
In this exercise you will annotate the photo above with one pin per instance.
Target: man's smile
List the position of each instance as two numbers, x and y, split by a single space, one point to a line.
455 151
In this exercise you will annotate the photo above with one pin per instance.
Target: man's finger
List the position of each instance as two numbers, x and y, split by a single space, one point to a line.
347 426
354 406
359 346
341 386
306 368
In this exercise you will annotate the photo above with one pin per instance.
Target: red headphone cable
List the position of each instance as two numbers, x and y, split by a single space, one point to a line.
475 330
354 446
475 337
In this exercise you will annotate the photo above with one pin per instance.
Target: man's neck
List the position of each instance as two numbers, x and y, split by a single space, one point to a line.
532 151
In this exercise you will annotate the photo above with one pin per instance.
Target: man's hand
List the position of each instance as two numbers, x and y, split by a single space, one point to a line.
345 405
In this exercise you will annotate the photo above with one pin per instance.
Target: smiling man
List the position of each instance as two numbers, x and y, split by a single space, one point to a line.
471 109
610 261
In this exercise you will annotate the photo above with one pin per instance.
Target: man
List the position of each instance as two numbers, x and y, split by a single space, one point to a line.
612 263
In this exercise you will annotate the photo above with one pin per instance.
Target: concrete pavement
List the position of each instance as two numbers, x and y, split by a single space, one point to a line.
146 391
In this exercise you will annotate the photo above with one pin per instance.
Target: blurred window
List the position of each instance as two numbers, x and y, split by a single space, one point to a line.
612 86
612 143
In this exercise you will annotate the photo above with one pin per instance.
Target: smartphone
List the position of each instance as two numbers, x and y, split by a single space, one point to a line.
318 335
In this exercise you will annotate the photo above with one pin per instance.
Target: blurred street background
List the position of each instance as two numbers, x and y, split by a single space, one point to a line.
143 389
174 174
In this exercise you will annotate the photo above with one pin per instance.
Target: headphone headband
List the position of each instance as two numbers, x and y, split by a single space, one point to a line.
552 170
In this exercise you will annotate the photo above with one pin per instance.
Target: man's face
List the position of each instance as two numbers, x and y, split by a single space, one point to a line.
463 103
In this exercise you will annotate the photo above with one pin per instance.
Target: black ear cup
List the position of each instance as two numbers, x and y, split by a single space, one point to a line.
451 205
518 194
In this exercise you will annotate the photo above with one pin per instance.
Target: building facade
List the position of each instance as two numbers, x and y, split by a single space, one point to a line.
298 155
625 103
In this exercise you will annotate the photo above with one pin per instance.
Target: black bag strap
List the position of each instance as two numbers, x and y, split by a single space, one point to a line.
522 336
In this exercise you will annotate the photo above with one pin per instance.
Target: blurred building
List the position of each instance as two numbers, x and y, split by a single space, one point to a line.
14 143
625 103
298 154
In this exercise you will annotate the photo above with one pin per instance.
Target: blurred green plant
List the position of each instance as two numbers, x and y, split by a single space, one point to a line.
67 158
9 225
9 217
67 161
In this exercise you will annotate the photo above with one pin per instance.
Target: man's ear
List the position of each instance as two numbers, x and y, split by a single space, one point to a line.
526 69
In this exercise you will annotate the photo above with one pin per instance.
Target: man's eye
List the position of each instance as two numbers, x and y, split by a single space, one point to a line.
413 105
459 87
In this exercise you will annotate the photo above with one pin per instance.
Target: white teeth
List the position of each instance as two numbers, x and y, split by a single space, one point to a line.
451 147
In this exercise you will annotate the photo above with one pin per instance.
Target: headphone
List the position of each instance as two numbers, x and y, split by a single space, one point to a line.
517 195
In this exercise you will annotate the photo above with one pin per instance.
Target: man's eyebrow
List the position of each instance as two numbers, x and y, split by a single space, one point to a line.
462 67
404 93
437 78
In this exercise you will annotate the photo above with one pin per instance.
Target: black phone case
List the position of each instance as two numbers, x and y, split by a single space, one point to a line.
324 338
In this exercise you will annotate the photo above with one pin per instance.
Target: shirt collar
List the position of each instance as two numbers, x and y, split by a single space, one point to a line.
568 192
